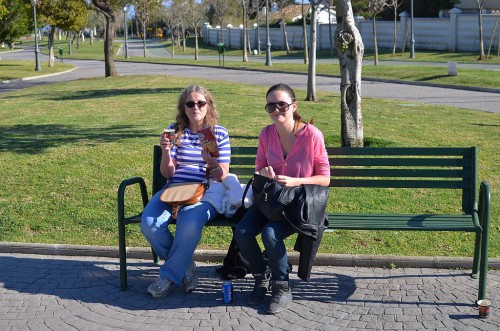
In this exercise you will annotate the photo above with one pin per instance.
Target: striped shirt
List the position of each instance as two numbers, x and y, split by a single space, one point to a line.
190 165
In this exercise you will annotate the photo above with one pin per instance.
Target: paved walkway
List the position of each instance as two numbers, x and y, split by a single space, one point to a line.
409 93
40 292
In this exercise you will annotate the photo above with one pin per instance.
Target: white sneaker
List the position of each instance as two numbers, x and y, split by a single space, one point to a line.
190 280
161 288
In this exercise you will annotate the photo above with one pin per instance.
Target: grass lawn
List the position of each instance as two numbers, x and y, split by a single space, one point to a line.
64 149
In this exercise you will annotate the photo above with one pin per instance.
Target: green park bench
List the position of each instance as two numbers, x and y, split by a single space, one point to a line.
382 169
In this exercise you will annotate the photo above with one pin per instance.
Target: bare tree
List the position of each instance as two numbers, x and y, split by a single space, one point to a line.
304 33
350 48
281 5
109 8
197 14
143 10
172 20
395 5
480 6
311 72
220 8
244 5
376 6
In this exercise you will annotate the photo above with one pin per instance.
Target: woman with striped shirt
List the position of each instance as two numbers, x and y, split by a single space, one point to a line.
185 161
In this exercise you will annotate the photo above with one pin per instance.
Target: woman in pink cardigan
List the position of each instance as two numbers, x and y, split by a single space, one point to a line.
292 152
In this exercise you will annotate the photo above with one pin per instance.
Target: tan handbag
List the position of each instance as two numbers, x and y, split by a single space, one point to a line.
182 194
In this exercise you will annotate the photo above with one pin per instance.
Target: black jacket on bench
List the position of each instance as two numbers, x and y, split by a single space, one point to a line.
305 210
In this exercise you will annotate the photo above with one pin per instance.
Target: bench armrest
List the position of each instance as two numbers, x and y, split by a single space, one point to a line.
121 195
122 221
484 204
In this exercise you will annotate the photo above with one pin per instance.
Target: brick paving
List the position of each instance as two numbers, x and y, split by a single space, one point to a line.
44 292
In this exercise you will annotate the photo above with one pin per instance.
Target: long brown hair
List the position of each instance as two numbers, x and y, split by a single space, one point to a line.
182 120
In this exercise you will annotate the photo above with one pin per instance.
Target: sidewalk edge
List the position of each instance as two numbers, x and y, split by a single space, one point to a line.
217 256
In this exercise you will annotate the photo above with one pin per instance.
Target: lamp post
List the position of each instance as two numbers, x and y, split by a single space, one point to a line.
412 40
125 27
37 50
268 40
258 34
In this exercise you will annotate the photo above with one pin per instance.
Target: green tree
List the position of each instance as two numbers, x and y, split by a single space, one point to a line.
69 15
16 19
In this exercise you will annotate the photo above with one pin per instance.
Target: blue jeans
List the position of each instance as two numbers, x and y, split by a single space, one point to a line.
273 236
176 251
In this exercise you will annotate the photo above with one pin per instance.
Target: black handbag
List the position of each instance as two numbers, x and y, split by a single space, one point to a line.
266 193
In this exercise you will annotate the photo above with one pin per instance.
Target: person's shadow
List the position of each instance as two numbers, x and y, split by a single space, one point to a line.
98 281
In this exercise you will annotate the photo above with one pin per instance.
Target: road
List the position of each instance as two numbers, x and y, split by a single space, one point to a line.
407 92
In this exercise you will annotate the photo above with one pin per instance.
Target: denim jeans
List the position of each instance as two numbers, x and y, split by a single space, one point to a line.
273 236
176 251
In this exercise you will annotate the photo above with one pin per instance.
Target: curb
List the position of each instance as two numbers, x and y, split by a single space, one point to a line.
217 256
17 80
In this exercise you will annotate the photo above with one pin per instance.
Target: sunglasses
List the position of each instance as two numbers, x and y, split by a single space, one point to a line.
282 106
200 104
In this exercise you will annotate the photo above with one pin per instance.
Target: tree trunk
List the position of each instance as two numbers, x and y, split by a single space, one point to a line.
395 38
350 48
52 35
304 33
109 62
481 46
285 37
311 73
196 49
245 52
375 48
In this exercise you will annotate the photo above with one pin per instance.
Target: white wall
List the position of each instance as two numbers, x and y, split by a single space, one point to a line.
458 33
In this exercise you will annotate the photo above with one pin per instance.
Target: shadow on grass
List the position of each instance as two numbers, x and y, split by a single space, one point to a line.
34 139
98 94
424 79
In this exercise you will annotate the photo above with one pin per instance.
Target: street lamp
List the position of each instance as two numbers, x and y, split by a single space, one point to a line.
258 34
268 40
125 27
412 40
37 50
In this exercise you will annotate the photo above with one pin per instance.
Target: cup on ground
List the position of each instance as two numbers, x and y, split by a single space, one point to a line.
484 308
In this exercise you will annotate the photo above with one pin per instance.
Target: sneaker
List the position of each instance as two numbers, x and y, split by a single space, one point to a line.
282 296
161 288
190 280
260 288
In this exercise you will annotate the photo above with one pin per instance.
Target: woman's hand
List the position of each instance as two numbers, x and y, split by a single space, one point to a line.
267 172
287 181
209 159
165 142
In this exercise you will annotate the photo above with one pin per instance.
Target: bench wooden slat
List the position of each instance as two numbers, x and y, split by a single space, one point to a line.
424 222
446 173
418 151
381 183
398 162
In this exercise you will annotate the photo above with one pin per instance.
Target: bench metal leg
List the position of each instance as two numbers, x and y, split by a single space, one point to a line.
484 218
477 255
123 255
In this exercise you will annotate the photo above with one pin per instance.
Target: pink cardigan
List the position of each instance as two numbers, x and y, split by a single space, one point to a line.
308 156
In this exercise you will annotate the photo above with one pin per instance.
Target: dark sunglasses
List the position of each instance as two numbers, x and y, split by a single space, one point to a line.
200 104
282 106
